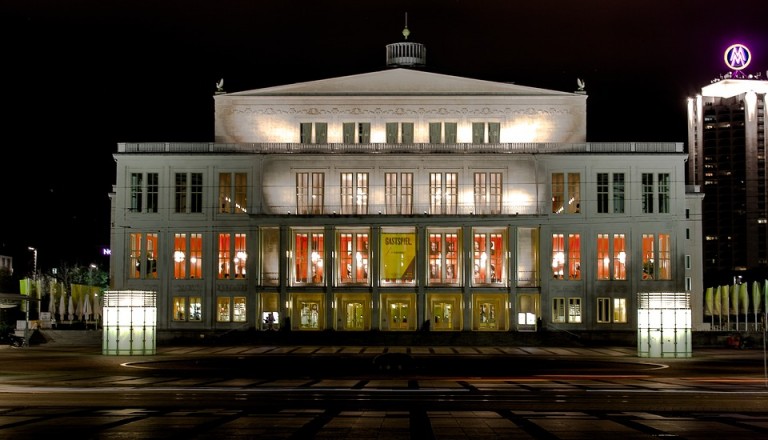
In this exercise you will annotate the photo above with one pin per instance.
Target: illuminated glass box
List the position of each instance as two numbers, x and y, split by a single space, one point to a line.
664 324
130 321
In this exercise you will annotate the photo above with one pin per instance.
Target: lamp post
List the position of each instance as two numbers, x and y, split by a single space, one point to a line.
29 293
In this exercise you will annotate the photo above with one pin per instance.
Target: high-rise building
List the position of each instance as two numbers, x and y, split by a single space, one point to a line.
403 200
727 147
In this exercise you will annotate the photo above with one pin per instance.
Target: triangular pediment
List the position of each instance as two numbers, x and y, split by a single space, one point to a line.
400 82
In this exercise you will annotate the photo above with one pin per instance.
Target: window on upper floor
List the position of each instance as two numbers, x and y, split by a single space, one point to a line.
308 257
443 258
143 256
233 190
657 257
354 193
359 133
443 133
611 257
399 133
233 256
188 193
313 132
310 189
487 192
488 262
566 194
566 256
610 193
443 193
398 193
187 256
354 255
145 190
483 133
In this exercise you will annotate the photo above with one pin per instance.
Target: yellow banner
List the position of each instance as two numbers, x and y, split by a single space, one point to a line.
398 256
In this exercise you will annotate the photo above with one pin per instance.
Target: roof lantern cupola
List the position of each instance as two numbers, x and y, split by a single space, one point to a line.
406 53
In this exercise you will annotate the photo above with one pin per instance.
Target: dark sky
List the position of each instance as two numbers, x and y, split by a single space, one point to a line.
81 76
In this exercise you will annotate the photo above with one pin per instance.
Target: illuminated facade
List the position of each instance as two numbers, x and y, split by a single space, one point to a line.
727 147
398 201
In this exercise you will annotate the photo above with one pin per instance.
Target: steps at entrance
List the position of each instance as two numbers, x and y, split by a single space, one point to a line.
71 337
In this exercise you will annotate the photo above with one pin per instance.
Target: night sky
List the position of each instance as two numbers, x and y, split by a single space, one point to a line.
81 76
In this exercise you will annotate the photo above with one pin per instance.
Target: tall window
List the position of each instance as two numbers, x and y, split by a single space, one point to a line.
399 133
647 196
657 266
188 193
665 258
143 255
443 192
486 132
602 193
443 257
618 193
308 257
611 257
566 194
310 188
488 187
313 133
566 257
356 133
354 255
232 256
488 262
230 309
144 198
440 133
663 185
354 193
233 189
398 193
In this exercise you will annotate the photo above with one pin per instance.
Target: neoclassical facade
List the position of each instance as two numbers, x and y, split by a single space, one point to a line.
403 200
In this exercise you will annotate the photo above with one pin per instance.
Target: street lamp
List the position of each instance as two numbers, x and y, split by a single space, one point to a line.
29 293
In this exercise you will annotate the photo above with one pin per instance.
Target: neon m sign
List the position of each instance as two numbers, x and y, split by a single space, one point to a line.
737 56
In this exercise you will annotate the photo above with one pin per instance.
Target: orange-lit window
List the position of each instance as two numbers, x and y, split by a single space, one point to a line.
196 255
180 256
241 256
443 258
224 309
135 257
619 257
224 256
558 256
574 256
353 258
665 259
648 261
603 257
144 255
309 258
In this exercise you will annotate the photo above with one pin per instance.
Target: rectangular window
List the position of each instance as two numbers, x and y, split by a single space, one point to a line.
443 257
316 133
364 133
224 309
488 193
397 257
406 132
180 256
494 132
603 257
391 131
443 191
619 257
241 256
687 261
574 256
153 191
663 193
488 262
354 193
435 133
310 188
348 131
233 188
308 258
225 259
688 284
566 202
647 196
137 192
143 255
180 190
321 133
450 132
665 258
618 193
620 310
574 310
648 257
602 193
188 193
398 193
238 309
558 310
305 132
478 133
558 256
354 255
186 308
603 310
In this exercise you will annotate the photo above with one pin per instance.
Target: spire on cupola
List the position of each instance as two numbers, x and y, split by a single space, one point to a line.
406 53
